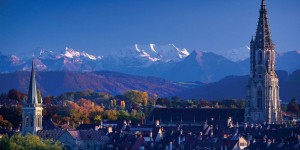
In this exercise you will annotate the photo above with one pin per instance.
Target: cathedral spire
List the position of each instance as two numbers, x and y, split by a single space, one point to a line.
263 34
32 92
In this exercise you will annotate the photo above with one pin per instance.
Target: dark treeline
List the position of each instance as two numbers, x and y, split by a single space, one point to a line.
92 107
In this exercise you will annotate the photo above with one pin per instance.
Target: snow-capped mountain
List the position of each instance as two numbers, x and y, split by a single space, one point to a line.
73 54
236 54
152 52
165 61
138 59
69 59
161 52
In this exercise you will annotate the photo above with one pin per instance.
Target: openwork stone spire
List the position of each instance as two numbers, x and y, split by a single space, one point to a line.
263 102
263 35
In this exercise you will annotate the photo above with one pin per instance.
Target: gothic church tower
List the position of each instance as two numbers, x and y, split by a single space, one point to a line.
32 109
263 104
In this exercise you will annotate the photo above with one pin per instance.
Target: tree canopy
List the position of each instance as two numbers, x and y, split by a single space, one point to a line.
32 142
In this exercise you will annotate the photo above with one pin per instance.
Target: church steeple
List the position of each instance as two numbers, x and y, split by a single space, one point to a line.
32 109
263 35
263 102
32 92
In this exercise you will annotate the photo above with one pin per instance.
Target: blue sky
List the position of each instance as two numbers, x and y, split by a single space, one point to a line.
102 26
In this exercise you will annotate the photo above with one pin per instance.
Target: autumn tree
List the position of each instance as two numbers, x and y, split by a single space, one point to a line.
12 114
293 106
122 104
15 94
152 99
136 97
111 114
4 123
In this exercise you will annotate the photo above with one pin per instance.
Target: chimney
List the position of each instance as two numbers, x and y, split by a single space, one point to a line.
109 129
200 136
179 140
245 126
229 122
157 123
150 136
171 145
205 125
181 131
269 142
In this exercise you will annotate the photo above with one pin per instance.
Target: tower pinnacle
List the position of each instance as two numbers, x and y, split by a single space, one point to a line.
32 92
263 34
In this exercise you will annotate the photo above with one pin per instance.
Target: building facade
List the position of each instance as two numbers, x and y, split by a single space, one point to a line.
263 103
32 109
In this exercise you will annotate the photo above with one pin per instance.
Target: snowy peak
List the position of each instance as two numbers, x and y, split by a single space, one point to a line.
71 53
164 53
15 59
237 54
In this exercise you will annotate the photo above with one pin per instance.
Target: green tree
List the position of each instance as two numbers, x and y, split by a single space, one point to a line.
19 142
97 119
124 115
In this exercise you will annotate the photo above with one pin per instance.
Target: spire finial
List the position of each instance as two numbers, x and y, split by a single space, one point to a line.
32 65
263 4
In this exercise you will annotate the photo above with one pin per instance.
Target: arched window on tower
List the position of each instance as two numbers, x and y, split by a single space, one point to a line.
26 121
38 121
259 98
31 120
259 57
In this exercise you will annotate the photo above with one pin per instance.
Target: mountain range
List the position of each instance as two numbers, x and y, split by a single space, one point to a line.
58 82
235 87
164 61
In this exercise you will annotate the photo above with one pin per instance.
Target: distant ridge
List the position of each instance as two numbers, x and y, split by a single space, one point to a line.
163 61
58 82
234 87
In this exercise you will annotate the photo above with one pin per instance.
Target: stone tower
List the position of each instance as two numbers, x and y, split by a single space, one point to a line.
263 103
32 109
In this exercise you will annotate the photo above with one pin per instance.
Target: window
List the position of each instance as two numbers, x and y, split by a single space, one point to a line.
259 98
259 57
31 120
26 121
